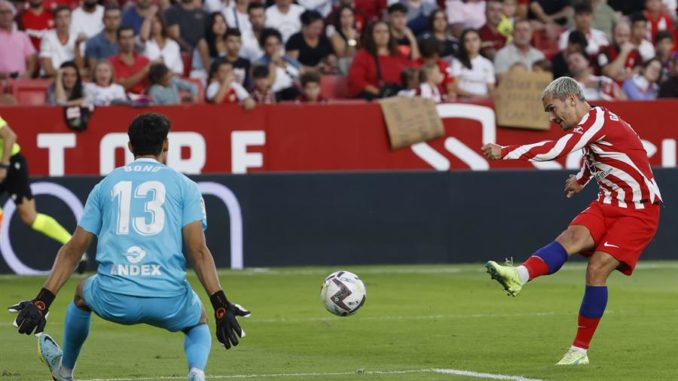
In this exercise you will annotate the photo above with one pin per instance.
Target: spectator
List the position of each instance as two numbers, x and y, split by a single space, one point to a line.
105 43
595 87
658 19
430 55
58 45
664 49
186 24
517 51
212 46
344 38
241 66
576 42
238 16
284 16
310 88
262 93
104 91
222 6
401 33
87 19
36 21
251 50
418 14
473 73
409 82
643 86
669 88
583 22
542 66
140 10
283 70
638 32
492 39
464 15
373 10
67 89
17 53
621 60
604 17
223 88
333 18
158 46
311 47
131 68
439 29
549 12
324 7
165 87
376 69
430 81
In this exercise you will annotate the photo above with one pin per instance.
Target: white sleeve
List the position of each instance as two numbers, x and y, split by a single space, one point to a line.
174 60
562 42
490 72
212 90
240 91
45 47
119 92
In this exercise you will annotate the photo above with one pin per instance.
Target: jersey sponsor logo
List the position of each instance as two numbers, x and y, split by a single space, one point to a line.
136 270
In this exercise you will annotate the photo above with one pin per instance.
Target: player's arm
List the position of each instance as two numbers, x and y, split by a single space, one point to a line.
225 312
543 151
33 313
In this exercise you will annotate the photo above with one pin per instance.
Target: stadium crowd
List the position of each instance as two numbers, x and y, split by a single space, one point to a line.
255 51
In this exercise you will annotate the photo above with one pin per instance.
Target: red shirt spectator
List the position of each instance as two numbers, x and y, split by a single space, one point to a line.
371 9
363 71
131 68
656 19
610 53
492 40
35 21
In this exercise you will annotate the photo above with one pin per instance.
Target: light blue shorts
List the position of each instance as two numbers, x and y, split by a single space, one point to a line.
171 313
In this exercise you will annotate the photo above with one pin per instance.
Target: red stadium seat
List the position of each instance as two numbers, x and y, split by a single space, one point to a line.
334 87
30 91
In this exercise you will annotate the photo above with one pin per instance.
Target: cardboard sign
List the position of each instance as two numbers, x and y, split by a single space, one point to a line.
411 120
518 102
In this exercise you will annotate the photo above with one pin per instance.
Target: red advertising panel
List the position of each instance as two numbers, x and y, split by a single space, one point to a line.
292 137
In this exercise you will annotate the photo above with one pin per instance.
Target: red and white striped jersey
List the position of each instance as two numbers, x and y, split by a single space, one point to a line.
613 155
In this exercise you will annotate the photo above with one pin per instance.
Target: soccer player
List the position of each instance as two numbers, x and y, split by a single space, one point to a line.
615 229
14 180
141 214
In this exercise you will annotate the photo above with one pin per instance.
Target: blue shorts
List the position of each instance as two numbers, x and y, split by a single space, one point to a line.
171 313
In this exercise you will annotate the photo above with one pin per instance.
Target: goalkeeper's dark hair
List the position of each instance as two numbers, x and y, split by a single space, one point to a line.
147 133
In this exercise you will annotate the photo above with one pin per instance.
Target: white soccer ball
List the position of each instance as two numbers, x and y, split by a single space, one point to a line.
343 293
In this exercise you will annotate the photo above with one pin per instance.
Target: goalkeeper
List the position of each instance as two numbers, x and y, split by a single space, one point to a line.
141 214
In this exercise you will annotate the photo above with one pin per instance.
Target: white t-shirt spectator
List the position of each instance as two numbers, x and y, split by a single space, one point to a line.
237 20
250 50
596 40
88 23
217 6
646 50
237 88
476 79
322 6
470 14
170 53
103 96
288 23
51 47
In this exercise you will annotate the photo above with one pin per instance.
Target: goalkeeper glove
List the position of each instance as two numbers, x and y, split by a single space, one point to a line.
33 313
225 313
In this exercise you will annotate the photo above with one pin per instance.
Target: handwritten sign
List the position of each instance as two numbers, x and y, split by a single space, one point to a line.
411 120
518 102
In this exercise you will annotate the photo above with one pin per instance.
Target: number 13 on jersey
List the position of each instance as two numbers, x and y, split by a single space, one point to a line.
150 220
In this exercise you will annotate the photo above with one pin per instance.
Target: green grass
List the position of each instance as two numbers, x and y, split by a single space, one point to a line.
415 318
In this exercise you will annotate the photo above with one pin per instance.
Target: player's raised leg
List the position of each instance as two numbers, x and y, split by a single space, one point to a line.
547 260
593 305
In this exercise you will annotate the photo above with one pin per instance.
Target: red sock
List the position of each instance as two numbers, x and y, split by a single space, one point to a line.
585 330
536 266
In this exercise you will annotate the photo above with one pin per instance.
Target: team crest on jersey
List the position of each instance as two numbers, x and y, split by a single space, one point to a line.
578 130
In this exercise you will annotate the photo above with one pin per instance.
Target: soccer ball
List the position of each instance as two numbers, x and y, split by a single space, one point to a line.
343 293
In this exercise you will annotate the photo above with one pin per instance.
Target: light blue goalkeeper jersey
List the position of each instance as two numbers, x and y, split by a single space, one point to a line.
137 213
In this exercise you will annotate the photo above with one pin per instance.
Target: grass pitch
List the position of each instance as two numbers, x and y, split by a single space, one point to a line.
416 319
